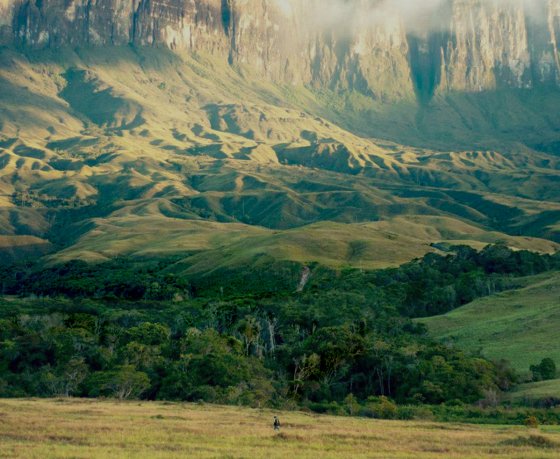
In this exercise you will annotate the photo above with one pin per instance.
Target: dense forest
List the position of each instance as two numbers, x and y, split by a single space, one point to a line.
132 329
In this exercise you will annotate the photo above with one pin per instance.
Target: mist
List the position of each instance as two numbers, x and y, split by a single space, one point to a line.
418 16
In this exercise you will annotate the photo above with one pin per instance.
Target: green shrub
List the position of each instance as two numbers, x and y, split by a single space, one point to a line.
406 413
544 371
532 422
381 408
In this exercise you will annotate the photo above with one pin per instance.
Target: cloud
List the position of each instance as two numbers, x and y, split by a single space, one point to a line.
416 15
285 6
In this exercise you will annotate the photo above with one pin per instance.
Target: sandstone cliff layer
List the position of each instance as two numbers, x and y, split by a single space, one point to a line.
458 45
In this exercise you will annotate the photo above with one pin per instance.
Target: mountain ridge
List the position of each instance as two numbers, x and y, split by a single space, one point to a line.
118 139
474 46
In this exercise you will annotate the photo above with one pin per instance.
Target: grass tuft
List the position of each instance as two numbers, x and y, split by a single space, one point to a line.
532 441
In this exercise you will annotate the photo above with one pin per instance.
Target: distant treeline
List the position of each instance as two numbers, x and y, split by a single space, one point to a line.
127 329
430 286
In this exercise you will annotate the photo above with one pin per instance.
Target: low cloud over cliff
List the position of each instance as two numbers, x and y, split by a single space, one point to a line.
418 16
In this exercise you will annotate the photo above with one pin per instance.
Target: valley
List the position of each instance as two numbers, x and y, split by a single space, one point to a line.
320 207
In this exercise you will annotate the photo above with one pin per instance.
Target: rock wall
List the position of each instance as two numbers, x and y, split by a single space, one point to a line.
459 45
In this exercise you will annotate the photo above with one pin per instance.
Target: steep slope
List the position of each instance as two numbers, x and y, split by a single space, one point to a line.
209 245
450 45
257 122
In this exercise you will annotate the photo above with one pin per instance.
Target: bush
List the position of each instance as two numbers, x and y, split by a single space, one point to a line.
406 413
455 402
381 408
122 383
544 371
351 404
424 413
325 407
532 422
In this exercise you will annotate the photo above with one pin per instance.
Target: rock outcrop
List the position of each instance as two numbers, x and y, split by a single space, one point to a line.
458 45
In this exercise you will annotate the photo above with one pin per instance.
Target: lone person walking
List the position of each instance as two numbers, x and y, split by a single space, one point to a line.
276 424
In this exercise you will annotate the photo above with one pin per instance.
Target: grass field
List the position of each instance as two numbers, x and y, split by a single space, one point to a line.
536 390
66 428
520 325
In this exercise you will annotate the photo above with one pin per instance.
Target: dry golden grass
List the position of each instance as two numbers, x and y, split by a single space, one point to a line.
372 245
103 429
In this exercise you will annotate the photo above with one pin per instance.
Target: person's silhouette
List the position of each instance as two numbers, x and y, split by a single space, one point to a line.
276 423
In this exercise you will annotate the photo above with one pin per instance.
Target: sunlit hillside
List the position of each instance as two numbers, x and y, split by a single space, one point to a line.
144 152
519 325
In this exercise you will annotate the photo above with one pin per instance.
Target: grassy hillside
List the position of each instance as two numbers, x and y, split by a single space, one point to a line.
520 326
141 151
536 391
80 429
210 245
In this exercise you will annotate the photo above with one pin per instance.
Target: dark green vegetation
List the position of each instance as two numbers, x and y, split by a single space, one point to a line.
128 329
544 371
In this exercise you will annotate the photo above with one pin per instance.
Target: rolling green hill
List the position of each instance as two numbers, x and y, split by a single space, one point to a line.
520 326
139 151
209 245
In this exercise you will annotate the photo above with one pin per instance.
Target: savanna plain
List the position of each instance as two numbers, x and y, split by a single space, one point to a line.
67 428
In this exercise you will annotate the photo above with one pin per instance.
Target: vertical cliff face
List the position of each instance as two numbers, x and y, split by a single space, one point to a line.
189 25
55 23
461 45
543 40
6 18
487 47
483 45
